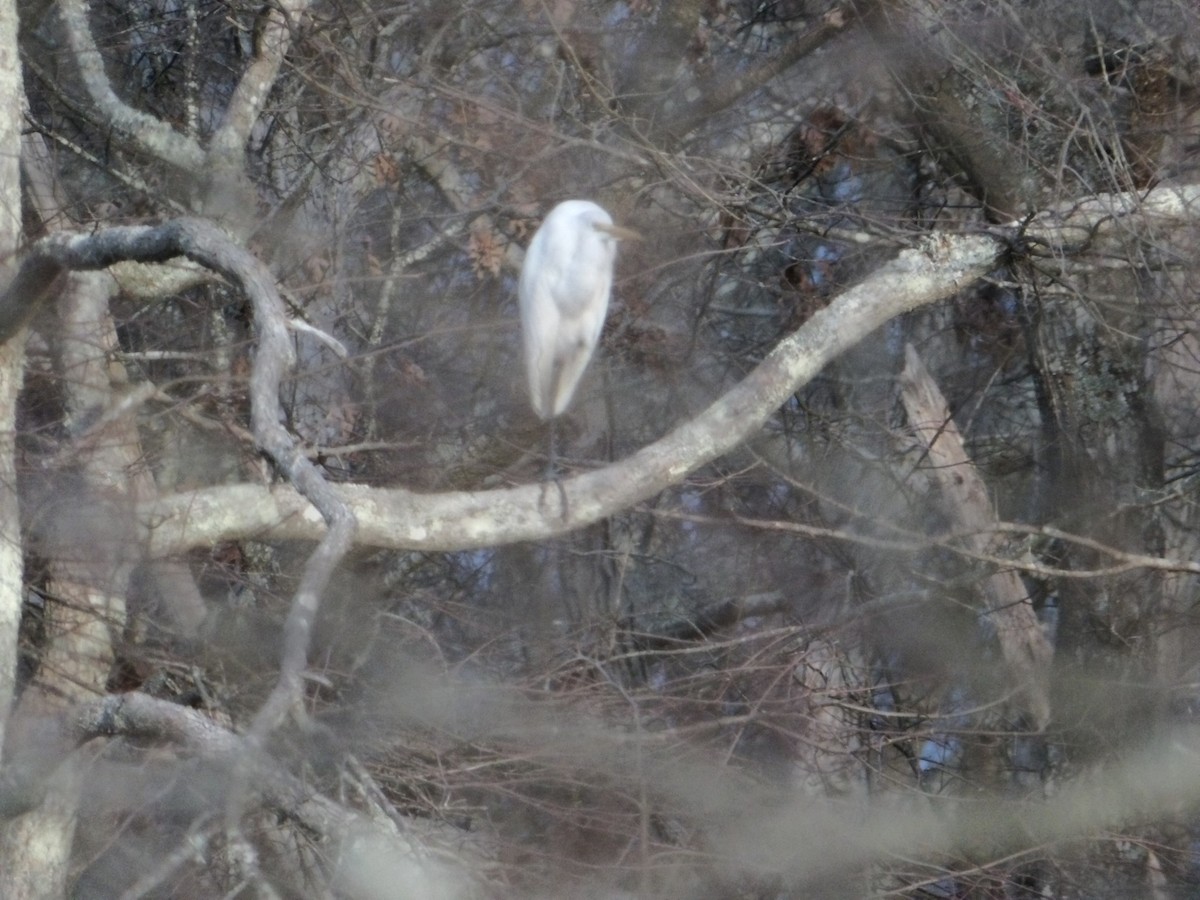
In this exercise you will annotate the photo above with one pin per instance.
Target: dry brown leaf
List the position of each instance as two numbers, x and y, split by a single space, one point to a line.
385 169
486 250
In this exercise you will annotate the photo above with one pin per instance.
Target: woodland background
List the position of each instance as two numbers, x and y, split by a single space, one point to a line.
874 566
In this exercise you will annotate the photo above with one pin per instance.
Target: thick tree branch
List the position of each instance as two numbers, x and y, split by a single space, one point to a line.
940 266
148 134
454 521
273 37
209 247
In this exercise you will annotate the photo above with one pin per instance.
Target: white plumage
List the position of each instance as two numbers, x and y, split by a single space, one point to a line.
564 290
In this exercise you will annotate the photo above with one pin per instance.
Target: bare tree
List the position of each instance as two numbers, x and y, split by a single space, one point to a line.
876 502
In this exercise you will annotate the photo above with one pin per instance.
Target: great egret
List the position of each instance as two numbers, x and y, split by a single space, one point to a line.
564 288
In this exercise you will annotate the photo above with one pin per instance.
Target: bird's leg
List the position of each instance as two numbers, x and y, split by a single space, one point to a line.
552 457
552 473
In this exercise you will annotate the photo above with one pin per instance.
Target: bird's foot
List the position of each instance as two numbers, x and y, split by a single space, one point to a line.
556 480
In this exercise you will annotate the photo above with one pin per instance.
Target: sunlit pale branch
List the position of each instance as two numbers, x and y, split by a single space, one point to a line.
142 131
274 34
938 267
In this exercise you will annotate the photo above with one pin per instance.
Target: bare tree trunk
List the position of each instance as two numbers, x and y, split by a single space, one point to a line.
12 357
89 543
12 364
14 847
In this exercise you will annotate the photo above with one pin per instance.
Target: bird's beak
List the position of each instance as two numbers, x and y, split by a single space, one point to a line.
621 234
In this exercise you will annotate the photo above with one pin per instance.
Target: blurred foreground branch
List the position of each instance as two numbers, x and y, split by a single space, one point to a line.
369 857
790 833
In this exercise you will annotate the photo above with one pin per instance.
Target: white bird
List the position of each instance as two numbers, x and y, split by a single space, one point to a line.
564 289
